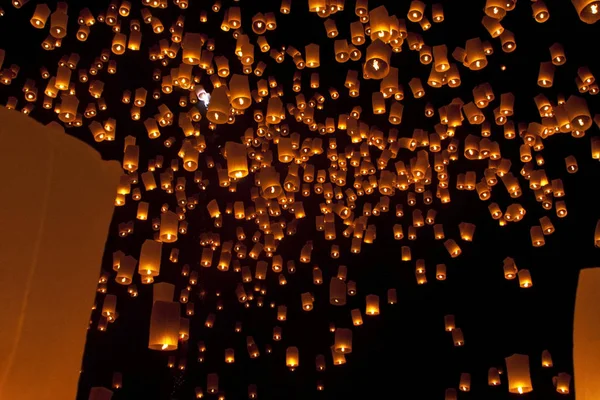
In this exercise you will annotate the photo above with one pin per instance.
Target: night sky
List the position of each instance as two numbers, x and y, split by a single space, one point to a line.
405 351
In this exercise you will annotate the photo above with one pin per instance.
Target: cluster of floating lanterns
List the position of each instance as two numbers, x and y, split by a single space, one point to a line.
366 173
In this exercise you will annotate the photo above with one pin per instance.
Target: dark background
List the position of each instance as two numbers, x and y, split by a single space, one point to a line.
405 350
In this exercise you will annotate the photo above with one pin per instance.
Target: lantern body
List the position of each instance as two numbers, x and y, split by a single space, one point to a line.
377 64
586 335
337 292
36 224
168 227
292 358
563 381
372 304
524 278
588 10
343 340
270 184
312 56
465 382
450 394
493 377
356 317
449 324
517 369
40 15
150 257
100 393
241 98
163 291
546 359
212 383
164 326
237 163
218 108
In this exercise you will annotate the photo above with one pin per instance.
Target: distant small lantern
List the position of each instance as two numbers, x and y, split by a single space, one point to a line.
292 359
372 307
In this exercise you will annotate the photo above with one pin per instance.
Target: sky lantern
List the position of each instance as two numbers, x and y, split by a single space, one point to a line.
517 368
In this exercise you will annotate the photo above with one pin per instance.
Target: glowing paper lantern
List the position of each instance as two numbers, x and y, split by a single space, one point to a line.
218 108
343 340
377 64
588 10
517 370
237 162
164 326
586 335
292 358
46 280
